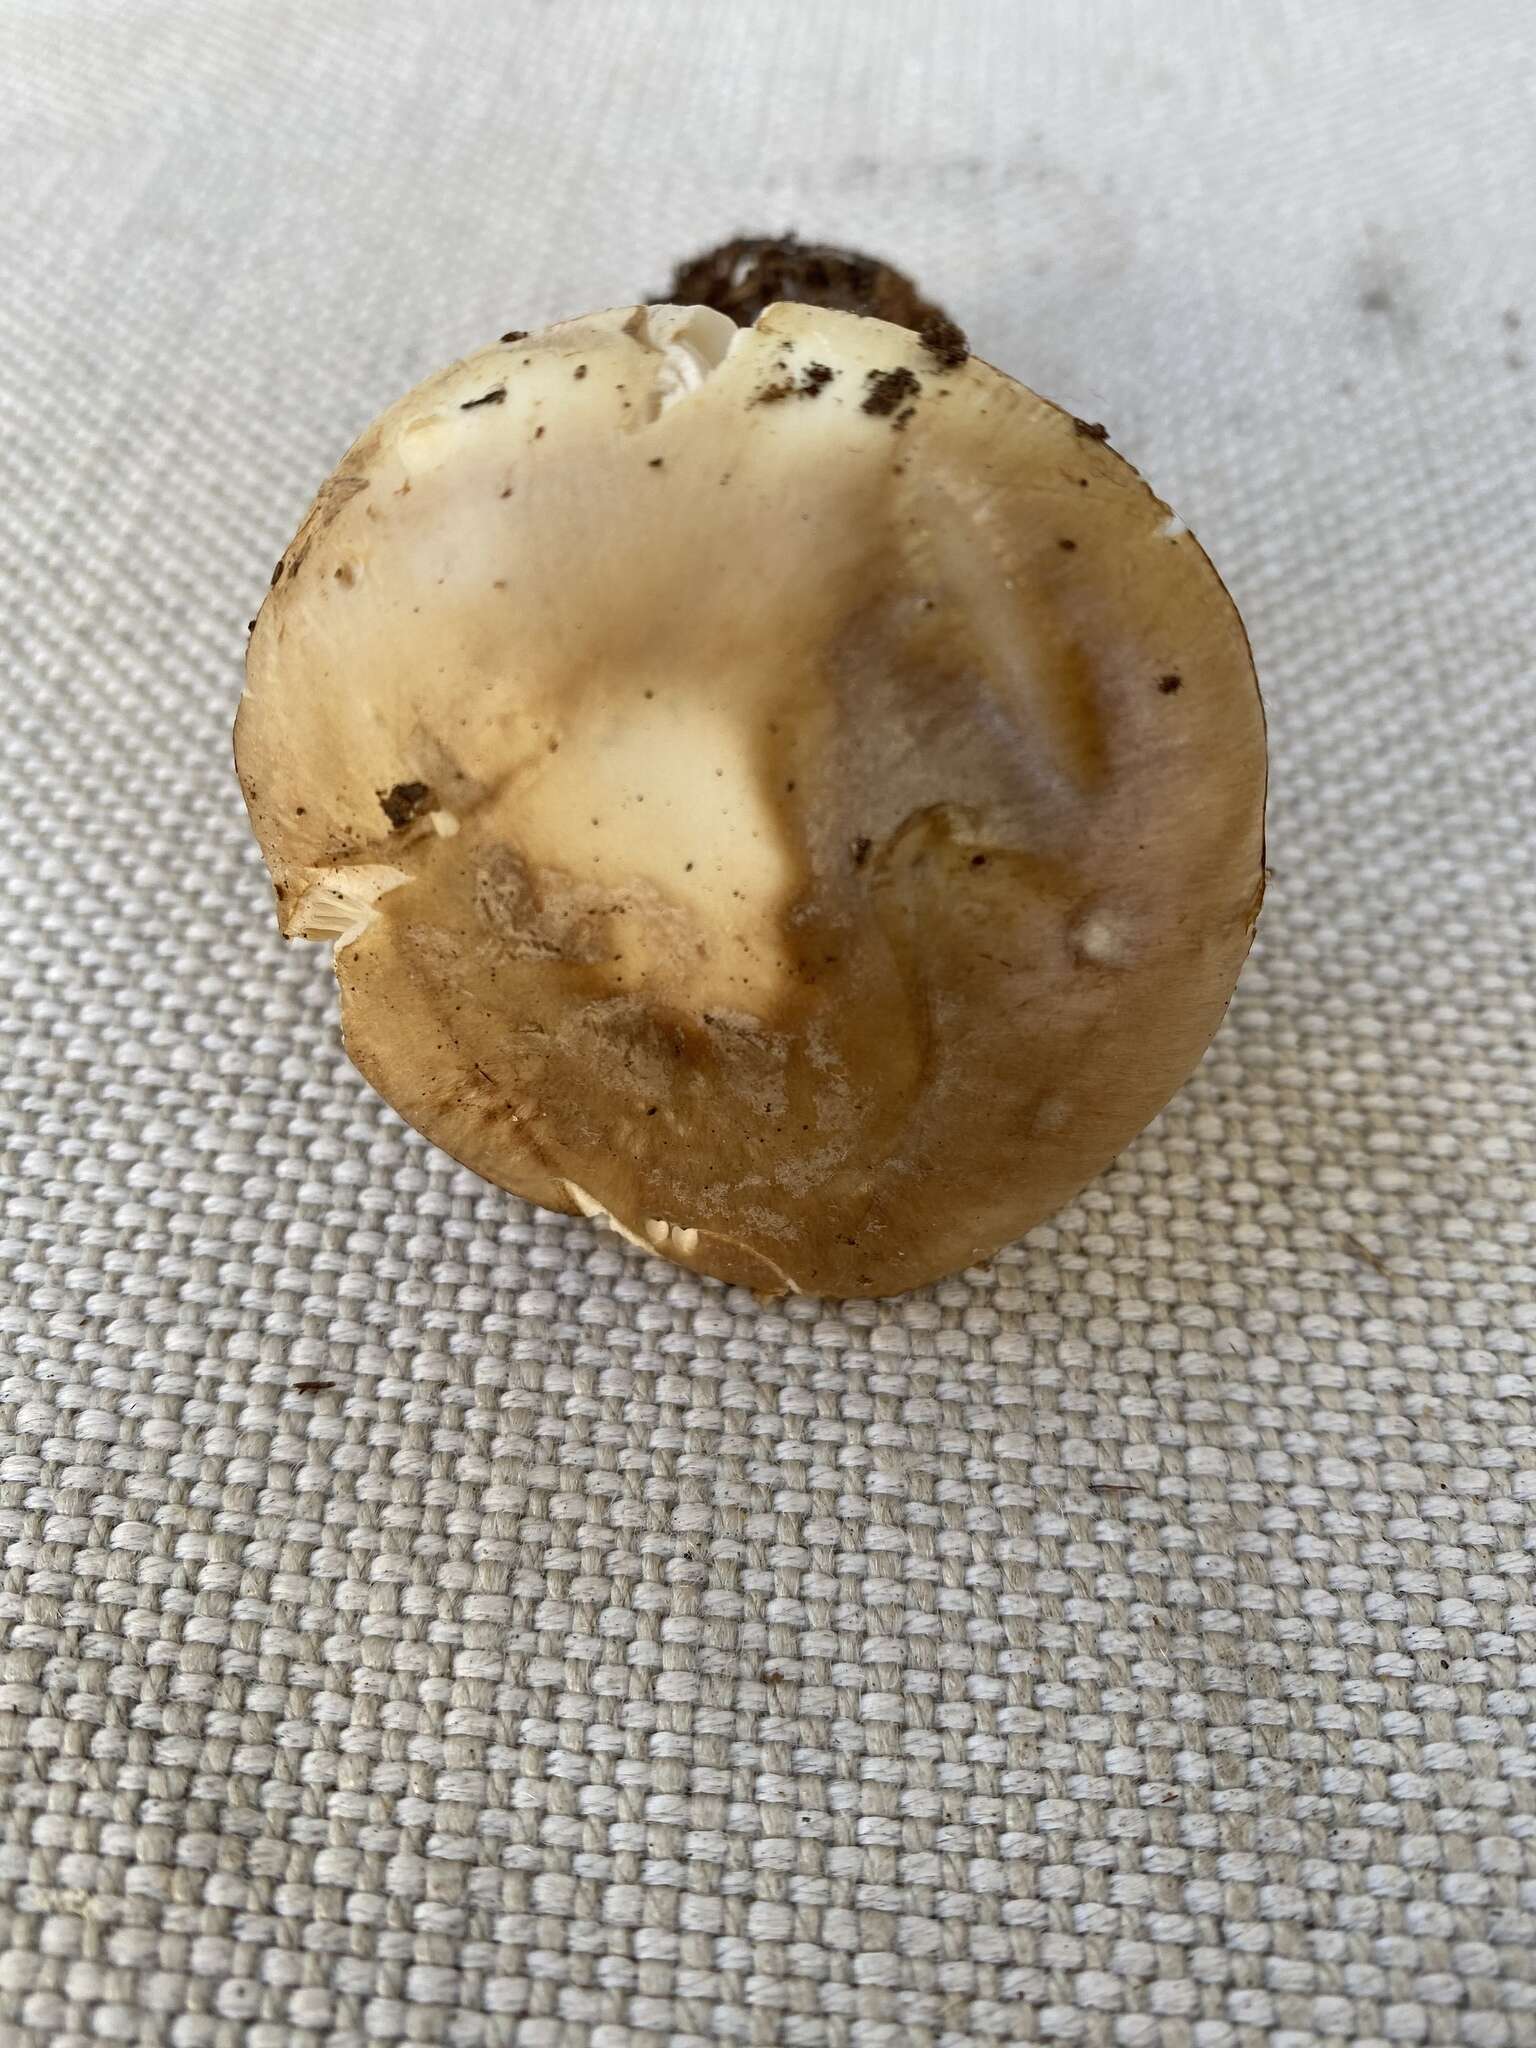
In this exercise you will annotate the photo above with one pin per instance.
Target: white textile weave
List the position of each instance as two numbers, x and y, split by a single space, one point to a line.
429 1620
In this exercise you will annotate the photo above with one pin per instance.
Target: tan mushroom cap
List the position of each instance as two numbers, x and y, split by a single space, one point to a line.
794 796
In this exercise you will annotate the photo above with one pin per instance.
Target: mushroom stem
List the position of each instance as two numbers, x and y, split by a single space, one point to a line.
747 275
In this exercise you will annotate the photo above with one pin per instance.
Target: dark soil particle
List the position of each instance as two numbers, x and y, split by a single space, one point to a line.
1168 684
493 397
813 380
1091 430
404 804
516 334
887 391
944 342
745 276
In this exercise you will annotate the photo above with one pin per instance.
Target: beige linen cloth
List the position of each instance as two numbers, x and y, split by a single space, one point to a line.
1129 1643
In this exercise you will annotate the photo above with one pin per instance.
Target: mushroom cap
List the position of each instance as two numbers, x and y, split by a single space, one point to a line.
780 789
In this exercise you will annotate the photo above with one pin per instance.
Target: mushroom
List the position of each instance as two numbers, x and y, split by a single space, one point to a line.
787 790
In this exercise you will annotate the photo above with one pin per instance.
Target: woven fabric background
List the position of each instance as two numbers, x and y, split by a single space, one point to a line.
429 1620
